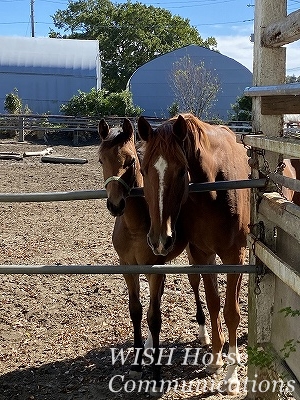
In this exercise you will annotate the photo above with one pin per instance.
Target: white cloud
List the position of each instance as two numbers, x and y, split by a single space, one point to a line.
240 49
237 47
293 58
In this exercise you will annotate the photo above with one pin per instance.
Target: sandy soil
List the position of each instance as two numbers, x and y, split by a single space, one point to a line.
57 331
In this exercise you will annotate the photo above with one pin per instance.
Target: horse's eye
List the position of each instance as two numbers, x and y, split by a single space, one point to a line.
100 161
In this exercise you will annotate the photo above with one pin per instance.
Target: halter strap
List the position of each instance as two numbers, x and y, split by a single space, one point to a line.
119 179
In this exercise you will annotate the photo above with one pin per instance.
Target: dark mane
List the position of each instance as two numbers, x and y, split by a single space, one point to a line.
164 139
197 134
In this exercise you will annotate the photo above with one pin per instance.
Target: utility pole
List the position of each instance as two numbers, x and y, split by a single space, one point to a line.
32 17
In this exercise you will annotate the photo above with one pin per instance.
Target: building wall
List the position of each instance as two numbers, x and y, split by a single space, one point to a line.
151 83
47 72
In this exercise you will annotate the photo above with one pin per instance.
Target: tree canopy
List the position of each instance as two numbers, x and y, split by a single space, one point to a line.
129 34
195 87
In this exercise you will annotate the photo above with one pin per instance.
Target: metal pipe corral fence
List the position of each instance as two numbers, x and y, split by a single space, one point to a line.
101 193
128 269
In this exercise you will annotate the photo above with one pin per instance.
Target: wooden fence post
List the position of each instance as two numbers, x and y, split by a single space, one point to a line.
268 68
21 129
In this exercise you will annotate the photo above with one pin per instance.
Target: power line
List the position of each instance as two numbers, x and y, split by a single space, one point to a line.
32 17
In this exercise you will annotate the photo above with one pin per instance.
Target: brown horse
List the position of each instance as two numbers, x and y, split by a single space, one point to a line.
292 170
121 171
185 149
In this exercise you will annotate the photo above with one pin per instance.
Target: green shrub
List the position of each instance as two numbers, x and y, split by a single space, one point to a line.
98 103
13 103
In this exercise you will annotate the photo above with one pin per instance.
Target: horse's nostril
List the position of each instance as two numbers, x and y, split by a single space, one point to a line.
169 242
116 209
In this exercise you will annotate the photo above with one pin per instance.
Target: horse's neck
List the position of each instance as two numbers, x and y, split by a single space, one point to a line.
136 216
138 176
138 157
199 166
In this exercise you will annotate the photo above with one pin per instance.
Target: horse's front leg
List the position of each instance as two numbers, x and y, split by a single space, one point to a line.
213 305
232 320
156 286
232 317
136 311
194 280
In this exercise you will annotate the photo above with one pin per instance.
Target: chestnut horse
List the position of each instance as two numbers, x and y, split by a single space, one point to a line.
121 171
185 149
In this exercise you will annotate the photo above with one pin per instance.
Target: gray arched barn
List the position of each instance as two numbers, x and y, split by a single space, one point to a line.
151 89
47 72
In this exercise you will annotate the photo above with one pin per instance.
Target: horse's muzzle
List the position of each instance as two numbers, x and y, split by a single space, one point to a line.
116 209
162 246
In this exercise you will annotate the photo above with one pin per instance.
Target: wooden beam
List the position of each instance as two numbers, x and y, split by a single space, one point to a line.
278 105
283 213
288 146
282 32
281 269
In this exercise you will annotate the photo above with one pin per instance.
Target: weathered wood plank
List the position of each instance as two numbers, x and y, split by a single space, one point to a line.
282 270
283 213
282 32
278 105
288 146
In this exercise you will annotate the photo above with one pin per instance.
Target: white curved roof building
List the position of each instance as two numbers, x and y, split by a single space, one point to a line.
47 72
151 89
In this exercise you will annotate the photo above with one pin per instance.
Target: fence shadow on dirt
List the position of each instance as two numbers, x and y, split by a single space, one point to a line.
95 376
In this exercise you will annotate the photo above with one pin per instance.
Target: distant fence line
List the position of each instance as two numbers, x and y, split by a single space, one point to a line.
47 124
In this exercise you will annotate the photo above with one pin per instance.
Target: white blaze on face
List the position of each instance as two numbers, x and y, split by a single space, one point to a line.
161 166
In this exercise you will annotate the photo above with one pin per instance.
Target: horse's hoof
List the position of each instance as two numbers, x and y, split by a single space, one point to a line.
231 387
212 369
135 375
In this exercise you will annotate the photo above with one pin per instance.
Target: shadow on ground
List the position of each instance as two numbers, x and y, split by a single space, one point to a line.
95 376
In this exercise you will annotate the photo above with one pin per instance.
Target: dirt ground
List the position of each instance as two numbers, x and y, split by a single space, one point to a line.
57 331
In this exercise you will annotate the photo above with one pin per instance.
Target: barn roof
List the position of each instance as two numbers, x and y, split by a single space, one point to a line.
151 83
67 56
47 71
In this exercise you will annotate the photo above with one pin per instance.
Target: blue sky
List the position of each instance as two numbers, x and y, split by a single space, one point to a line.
229 21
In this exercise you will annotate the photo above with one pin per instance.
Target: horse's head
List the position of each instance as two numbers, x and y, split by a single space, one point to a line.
119 160
165 172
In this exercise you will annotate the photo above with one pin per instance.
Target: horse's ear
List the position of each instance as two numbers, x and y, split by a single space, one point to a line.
103 129
144 129
127 128
180 128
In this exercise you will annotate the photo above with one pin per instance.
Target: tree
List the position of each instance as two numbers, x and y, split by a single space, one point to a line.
242 109
292 79
195 87
129 34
